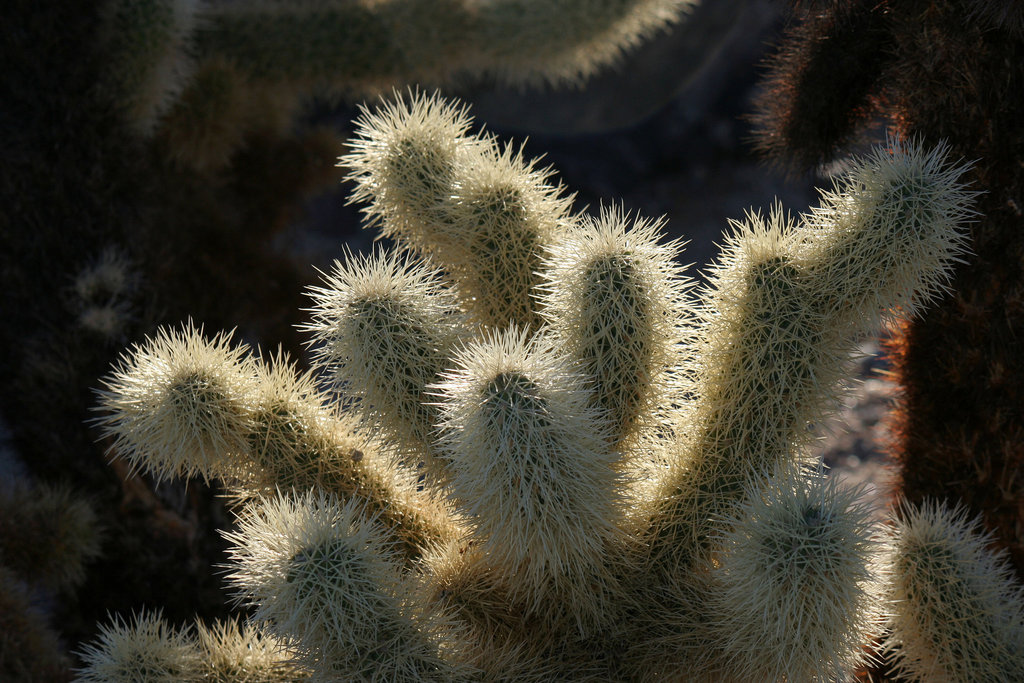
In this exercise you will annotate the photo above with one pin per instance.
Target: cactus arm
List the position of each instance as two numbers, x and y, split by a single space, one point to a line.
884 241
297 443
149 55
532 467
795 596
144 648
176 404
536 42
354 47
957 612
786 301
322 575
385 328
481 212
183 405
615 299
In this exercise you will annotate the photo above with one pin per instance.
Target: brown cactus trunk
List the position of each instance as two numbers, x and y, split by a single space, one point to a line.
958 433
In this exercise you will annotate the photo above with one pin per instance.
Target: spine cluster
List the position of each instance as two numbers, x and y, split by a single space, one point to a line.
544 458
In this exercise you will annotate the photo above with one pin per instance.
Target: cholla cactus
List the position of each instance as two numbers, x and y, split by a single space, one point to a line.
150 58
47 536
611 486
195 71
363 46
149 649
957 613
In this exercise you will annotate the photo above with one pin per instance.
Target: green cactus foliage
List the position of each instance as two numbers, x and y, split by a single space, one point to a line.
618 489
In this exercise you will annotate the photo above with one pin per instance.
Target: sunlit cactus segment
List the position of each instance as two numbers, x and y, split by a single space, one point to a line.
385 326
481 211
766 369
957 612
297 442
615 297
795 595
530 460
403 162
149 55
291 440
233 652
783 303
502 213
886 238
322 575
146 648
176 404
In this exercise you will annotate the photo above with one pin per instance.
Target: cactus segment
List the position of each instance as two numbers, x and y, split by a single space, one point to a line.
149 55
233 652
385 327
175 405
795 594
615 298
145 648
403 163
480 211
884 241
765 370
297 443
533 42
209 122
530 461
322 575
957 610
47 534
337 44
501 215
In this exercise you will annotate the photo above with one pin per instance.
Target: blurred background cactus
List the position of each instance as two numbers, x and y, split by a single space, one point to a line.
583 474
48 535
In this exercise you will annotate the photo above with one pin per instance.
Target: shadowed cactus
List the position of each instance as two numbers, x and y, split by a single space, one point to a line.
47 537
150 57
149 649
625 475
958 614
